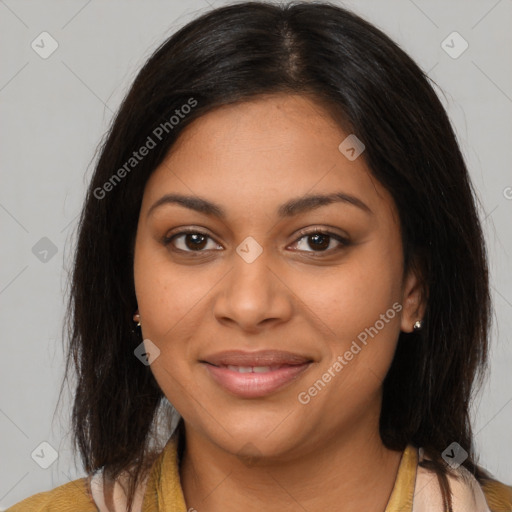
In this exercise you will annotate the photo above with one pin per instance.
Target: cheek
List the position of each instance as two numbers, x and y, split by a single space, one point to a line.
168 299
360 302
366 323
355 295
166 293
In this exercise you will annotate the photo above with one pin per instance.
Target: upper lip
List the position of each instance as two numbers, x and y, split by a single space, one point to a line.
260 358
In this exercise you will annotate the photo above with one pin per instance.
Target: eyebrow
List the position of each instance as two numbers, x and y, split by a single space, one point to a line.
289 209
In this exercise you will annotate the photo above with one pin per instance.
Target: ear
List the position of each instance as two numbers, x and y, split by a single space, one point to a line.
413 300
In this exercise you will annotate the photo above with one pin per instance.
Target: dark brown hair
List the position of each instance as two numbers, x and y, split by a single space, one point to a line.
375 90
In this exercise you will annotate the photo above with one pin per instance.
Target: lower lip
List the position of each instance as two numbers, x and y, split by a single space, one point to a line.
255 385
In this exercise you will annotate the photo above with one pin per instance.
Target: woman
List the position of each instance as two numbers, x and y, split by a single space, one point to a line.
280 240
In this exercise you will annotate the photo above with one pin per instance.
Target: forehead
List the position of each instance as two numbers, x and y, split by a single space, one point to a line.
270 124
261 152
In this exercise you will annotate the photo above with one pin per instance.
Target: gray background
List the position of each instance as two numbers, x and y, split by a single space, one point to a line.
54 112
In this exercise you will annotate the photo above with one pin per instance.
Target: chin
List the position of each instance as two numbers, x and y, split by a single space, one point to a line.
256 436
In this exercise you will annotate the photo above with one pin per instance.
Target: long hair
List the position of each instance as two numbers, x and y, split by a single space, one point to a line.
375 91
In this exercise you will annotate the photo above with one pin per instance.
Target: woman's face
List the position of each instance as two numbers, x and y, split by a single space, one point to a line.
313 318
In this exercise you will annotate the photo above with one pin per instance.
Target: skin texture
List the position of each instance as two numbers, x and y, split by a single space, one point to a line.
251 158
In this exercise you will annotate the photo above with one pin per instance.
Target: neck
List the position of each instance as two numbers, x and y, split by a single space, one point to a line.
344 473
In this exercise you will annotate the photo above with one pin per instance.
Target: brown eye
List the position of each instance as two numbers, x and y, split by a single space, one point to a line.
319 241
195 241
191 241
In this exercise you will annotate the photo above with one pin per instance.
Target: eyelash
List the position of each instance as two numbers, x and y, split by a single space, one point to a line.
344 242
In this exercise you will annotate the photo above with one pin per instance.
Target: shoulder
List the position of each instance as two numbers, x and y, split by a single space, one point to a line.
72 497
468 493
497 495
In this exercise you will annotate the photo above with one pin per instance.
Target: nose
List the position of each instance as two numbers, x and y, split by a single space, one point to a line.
252 296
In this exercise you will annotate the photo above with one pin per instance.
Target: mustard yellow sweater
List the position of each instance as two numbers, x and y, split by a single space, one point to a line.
163 492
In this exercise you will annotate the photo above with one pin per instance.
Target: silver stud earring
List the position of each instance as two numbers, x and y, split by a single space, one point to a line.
417 325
